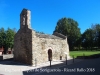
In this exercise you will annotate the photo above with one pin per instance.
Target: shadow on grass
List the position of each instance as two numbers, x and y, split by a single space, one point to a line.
89 57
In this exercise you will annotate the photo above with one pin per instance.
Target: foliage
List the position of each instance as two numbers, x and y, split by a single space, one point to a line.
7 38
2 37
69 28
97 34
40 32
91 37
88 38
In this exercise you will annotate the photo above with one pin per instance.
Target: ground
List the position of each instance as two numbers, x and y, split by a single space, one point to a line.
78 67
86 67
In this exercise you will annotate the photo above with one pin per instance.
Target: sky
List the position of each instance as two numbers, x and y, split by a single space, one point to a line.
46 13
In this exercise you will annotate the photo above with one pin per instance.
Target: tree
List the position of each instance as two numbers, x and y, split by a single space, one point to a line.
88 38
40 32
10 38
69 28
2 37
7 38
96 29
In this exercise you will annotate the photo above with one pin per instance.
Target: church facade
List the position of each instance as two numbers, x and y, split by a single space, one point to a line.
30 46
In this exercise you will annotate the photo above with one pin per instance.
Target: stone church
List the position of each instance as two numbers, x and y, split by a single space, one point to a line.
29 45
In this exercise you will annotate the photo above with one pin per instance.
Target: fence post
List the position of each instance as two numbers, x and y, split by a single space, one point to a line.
66 59
73 59
83 56
50 62
35 62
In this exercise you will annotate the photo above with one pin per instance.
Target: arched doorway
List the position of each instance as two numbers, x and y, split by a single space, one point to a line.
50 54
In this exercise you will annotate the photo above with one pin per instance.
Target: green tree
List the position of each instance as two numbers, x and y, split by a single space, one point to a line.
78 43
88 39
69 28
10 37
2 37
7 38
96 29
40 32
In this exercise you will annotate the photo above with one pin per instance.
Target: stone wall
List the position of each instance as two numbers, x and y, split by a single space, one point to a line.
40 47
23 46
28 47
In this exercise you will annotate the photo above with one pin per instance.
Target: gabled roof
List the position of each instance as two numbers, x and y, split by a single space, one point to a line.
50 36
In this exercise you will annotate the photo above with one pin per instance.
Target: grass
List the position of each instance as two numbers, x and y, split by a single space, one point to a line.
80 53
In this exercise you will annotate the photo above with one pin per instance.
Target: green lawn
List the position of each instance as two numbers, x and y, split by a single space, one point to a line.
80 53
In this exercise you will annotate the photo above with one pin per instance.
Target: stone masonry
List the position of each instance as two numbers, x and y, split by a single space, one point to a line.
30 46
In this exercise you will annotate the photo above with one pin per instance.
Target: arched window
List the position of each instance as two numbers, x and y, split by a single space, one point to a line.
50 54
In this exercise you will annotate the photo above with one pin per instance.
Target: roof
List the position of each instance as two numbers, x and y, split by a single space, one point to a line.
48 36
